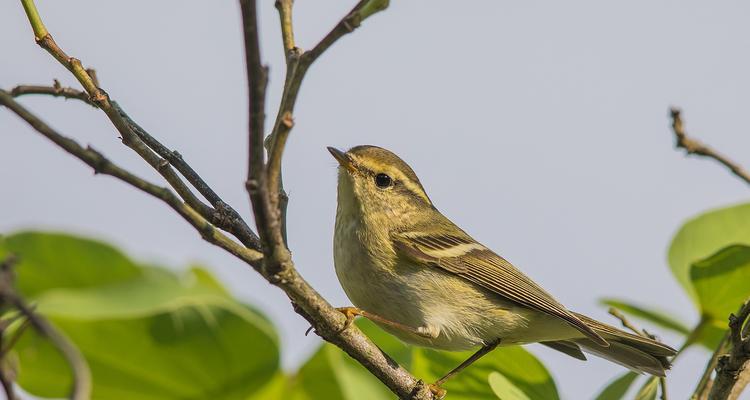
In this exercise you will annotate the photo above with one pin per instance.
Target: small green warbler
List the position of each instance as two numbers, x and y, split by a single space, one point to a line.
420 277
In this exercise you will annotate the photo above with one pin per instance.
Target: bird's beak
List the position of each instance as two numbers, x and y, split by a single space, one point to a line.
343 158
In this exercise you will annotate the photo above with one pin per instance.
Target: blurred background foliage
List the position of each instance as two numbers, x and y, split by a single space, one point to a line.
150 333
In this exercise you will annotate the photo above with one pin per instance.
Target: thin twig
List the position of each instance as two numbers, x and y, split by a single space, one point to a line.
640 332
627 324
102 165
327 321
730 366
81 389
222 215
693 146
297 67
287 28
257 80
101 99
264 184
347 25
56 90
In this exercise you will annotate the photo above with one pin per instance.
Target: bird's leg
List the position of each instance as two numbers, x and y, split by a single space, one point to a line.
435 387
351 312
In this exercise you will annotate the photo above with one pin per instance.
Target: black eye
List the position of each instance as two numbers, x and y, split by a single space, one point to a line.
383 181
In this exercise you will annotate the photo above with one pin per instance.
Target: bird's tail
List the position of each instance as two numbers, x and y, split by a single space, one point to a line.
638 353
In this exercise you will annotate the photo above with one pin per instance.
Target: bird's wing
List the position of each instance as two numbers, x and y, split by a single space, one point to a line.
457 253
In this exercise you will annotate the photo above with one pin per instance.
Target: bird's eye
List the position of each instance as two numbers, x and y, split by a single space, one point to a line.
383 181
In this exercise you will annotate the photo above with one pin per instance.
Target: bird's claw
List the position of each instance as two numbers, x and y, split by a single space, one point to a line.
350 313
437 391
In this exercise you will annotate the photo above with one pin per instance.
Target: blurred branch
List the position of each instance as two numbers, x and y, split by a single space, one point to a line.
99 98
693 146
640 332
706 382
731 373
81 374
102 165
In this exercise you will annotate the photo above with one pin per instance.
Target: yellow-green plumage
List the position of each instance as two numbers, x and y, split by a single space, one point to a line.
398 257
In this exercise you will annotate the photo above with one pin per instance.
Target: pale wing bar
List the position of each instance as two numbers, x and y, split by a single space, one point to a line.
483 267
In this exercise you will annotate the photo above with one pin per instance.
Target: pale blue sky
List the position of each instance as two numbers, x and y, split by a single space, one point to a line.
539 127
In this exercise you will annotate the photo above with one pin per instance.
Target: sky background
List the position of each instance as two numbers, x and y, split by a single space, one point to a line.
541 128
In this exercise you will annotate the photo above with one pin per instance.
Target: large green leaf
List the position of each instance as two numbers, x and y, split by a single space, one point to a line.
711 334
516 364
151 340
55 260
706 234
618 388
505 389
648 390
276 388
657 317
395 348
722 281
332 375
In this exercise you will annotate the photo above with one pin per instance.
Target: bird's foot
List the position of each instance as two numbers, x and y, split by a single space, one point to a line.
437 391
350 313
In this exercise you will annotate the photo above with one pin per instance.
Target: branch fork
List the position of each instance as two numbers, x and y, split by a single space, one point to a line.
266 252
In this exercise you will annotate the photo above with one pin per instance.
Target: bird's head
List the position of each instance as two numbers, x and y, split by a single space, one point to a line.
379 183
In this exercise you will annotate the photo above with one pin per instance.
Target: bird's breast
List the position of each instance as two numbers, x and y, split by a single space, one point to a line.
418 295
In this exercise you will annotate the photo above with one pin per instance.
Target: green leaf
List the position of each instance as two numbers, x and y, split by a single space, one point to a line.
648 390
711 334
277 388
516 364
505 389
332 375
657 317
706 234
618 388
164 338
721 281
54 260
395 348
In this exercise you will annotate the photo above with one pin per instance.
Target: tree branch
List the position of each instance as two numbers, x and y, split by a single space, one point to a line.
223 215
102 165
706 382
100 99
55 90
257 80
730 368
287 28
277 266
264 187
297 64
693 146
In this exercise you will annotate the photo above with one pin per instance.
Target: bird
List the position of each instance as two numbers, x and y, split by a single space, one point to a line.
421 278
